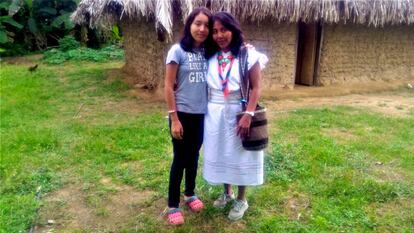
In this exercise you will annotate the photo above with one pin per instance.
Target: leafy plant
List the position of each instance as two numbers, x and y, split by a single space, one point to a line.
56 56
34 24
68 43
6 24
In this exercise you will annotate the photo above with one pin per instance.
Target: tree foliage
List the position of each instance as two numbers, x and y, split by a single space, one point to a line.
34 24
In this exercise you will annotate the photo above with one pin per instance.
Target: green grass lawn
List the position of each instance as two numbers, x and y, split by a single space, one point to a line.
101 158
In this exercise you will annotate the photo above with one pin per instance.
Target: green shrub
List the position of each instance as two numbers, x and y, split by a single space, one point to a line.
55 56
68 43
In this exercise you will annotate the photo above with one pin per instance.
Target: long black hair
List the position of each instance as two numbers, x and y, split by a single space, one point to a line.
187 39
233 25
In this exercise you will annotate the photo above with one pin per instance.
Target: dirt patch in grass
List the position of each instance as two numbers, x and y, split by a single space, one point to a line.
389 103
296 206
339 134
28 60
386 172
362 87
133 166
123 106
389 216
68 210
393 207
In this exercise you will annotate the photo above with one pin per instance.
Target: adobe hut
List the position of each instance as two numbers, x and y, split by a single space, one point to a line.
309 42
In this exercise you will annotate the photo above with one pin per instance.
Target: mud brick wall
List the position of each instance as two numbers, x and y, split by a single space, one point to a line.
349 54
357 53
144 54
278 42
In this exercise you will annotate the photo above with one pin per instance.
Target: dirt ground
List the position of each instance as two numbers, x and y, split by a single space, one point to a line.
391 103
71 209
390 98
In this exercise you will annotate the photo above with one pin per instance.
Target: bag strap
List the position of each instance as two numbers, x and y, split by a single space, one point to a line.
244 77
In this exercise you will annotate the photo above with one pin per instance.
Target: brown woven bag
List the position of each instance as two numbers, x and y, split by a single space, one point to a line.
258 138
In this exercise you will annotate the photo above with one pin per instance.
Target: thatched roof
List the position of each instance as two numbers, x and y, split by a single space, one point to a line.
370 12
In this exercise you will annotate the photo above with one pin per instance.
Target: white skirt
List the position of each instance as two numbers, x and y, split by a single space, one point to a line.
225 159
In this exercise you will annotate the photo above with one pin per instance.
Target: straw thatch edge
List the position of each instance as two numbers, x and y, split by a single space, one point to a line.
376 13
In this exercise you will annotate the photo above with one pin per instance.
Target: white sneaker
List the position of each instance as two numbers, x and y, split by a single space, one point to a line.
237 212
222 200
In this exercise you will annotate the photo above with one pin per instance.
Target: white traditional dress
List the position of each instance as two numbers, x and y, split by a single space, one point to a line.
225 159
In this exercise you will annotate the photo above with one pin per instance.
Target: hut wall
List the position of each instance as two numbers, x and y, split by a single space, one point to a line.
357 53
350 53
278 42
144 54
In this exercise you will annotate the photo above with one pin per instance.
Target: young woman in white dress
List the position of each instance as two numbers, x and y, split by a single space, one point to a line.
225 160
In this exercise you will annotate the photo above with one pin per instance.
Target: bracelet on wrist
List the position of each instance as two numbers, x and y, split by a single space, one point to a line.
172 111
250 113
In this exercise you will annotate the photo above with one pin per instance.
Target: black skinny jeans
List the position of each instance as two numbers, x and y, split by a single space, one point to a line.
186 153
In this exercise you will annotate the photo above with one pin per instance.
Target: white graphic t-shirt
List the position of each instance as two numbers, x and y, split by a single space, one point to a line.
191 92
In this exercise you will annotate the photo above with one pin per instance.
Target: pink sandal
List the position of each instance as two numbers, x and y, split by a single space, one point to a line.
175 217
195 204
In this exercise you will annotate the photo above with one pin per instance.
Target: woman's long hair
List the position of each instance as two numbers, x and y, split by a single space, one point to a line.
187 39
233 25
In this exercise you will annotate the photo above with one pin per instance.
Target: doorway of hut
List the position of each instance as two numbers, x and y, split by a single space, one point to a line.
308 50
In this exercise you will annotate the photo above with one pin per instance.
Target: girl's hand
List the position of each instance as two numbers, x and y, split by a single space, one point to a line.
249 46
177 130
243 127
